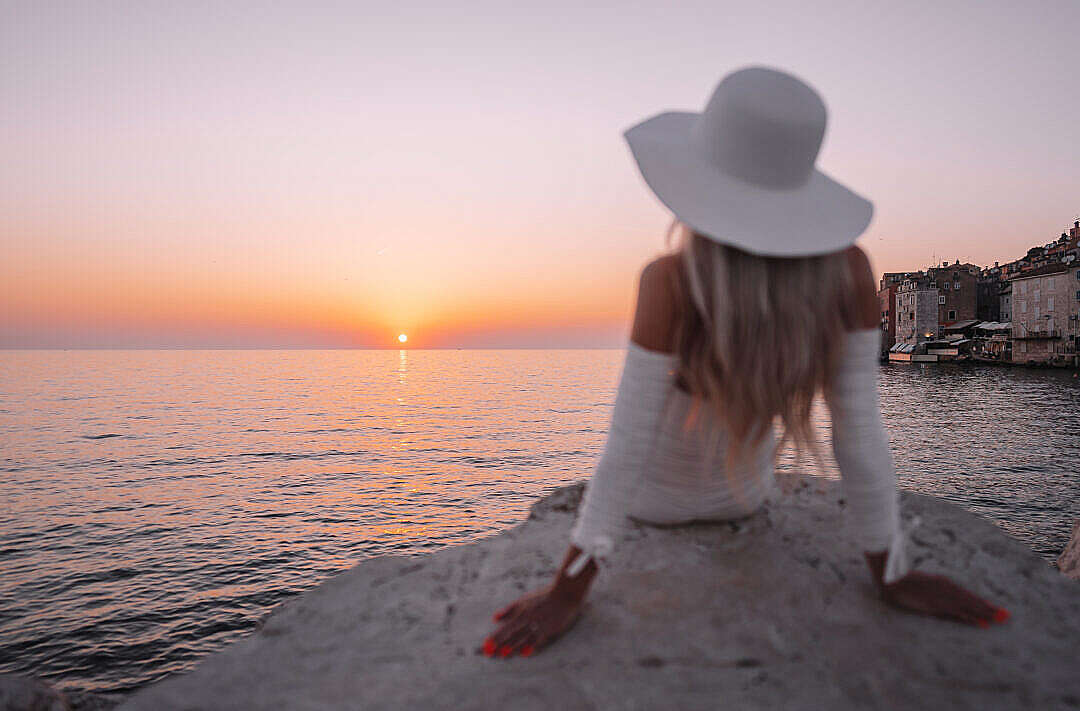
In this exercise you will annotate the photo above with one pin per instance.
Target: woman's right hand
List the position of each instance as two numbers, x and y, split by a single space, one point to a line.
535 620
532 622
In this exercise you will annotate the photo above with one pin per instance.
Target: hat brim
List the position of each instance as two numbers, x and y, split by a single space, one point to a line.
818 217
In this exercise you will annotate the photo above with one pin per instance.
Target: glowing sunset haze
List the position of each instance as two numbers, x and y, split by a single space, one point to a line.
271 176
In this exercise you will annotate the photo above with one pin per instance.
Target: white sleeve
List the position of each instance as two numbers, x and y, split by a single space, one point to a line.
646 382
862 451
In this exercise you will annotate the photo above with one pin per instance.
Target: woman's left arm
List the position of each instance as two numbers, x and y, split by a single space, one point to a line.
869 476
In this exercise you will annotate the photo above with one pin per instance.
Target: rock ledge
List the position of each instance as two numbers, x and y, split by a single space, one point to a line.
1069 560
776 611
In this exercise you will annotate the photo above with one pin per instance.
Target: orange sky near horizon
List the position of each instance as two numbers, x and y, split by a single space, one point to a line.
292 175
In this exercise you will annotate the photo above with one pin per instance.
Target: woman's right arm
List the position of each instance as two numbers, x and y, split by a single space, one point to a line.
541 616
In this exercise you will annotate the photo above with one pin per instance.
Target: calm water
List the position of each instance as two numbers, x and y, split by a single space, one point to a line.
158 504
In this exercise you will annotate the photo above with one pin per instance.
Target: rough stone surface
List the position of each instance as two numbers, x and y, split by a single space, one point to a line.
775 612
20 693
1069 560
23 693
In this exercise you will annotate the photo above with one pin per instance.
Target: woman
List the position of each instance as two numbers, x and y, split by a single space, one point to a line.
766 304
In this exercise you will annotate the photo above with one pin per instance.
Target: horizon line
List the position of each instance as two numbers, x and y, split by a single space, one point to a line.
315 348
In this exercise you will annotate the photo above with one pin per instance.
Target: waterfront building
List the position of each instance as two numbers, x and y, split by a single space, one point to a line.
1044 323
957 291
1027 310
992 341
1006 303
886 299
917 310
988 294
1072 324
961 329
887 289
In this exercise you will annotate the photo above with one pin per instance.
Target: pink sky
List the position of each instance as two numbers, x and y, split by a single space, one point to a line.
178 174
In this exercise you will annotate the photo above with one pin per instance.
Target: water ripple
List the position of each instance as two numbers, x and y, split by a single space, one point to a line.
159 503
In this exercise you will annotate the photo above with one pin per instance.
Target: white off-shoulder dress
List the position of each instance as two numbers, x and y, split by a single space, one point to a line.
655 469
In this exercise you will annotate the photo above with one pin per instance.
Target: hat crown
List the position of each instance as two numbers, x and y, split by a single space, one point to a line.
764 127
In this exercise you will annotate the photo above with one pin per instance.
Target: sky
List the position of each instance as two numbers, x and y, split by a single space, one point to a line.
332 175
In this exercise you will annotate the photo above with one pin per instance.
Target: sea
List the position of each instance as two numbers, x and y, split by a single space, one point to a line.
158 504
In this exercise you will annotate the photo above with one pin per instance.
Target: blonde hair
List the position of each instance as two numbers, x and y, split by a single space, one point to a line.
759 337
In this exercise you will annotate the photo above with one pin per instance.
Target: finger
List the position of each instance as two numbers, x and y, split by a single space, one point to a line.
534 641
973 601
976 607
517 641
965 607
506 632
960 614
509 609
979 613
955 602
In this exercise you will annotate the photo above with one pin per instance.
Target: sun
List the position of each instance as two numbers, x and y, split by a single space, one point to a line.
402 338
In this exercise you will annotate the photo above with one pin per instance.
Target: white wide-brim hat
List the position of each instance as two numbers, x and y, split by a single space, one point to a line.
742 172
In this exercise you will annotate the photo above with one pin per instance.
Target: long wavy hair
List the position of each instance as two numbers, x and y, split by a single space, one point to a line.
759 337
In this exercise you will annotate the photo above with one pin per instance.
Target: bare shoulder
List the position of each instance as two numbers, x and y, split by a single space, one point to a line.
655 315
866 308
661 273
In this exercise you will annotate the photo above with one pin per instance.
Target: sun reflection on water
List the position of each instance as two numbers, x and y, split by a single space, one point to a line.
159 503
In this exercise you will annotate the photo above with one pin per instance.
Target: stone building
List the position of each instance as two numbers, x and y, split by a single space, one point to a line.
1045 313
886 305
887 289
1045 255
1072 322
917 307
957 286
1005 297
988 294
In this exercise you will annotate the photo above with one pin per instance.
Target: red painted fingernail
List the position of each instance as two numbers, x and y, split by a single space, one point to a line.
527 651
505 651
1001 615
983 623
489 646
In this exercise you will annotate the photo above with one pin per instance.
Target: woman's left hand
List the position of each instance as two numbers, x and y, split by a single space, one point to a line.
937 595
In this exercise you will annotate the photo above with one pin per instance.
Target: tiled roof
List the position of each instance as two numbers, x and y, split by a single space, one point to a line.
1041 271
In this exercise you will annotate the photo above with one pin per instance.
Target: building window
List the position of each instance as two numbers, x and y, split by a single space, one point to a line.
1050 303
952 315
1078 293
956 285
941 299
946 285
